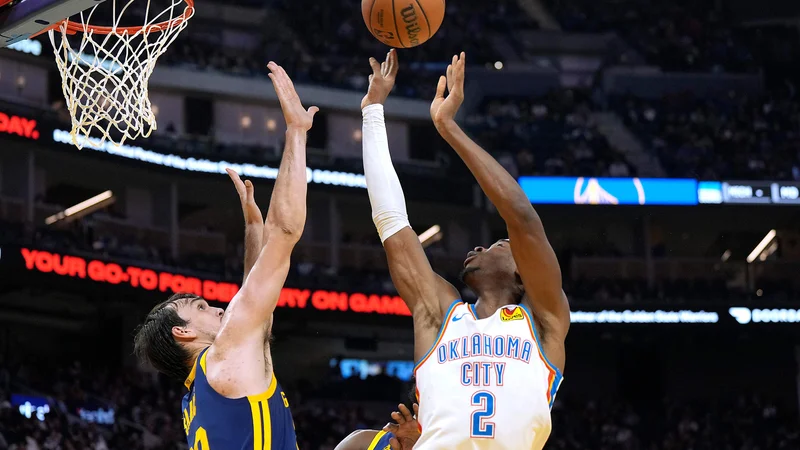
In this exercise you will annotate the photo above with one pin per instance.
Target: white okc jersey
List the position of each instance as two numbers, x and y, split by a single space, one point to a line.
485 384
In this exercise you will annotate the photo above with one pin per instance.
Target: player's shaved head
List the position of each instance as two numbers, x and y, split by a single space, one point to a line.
493 269
155 344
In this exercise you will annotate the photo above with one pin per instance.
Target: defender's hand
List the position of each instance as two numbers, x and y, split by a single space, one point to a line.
293 111
252 213
382 79
406 430
444 109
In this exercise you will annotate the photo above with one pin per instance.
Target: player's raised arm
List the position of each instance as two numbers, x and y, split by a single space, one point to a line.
254 229
248 315
421 288
535 258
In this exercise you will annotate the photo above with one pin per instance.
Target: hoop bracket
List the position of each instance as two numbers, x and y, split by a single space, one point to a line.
33 17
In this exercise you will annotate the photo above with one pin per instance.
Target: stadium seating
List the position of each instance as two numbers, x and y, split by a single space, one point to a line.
730 138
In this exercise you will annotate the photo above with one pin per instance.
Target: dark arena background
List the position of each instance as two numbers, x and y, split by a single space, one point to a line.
658 140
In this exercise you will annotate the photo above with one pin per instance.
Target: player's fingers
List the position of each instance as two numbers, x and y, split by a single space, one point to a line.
398 418
440 87
237 182
394 62
416 410
277 69
313 111
278 76
395 444
406 413
283 84
232 173
391 427
451 78
285 75
248 185
284 90
461 68
376 67
279 89
276 83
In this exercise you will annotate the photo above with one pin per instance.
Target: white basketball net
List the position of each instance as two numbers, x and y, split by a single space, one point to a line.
105 76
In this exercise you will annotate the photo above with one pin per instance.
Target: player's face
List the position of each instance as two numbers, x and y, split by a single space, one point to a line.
495 261
204 320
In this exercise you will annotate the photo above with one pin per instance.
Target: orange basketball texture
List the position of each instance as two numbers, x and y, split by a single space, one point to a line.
403 23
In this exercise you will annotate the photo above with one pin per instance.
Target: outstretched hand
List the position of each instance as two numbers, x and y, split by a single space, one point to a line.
293 111
382 79
444 109
406 430
246 191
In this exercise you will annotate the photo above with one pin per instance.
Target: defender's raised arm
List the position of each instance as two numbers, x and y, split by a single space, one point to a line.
253 221
252 307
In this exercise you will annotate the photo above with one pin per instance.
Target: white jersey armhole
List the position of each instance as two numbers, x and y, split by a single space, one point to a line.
555 377
442 329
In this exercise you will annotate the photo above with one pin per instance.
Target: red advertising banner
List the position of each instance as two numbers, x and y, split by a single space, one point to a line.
151 280
18 125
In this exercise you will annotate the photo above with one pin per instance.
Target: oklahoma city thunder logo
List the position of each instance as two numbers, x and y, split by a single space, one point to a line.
508 314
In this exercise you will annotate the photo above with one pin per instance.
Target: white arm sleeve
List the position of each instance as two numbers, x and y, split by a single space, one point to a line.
385 193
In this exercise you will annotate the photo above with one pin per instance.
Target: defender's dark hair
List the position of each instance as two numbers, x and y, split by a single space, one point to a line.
154 343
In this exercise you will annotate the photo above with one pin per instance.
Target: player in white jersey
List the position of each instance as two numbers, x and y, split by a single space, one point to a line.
487 373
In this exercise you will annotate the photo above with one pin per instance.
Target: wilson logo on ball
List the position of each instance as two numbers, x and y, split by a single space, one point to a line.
412 24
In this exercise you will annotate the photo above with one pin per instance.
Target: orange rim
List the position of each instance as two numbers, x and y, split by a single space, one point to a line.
75 27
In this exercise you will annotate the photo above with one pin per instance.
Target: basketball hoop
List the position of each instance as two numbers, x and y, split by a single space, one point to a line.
105 75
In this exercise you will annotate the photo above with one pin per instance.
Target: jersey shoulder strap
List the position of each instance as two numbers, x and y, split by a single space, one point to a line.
200 361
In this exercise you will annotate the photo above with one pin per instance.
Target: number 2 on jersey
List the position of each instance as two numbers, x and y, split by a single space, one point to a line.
479 427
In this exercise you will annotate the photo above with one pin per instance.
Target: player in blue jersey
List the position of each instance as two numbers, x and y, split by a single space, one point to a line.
223 357
394 436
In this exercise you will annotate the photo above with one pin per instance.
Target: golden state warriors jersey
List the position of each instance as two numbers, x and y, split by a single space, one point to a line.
214 422
381 441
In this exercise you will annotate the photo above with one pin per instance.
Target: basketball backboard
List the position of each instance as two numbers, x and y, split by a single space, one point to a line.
21 19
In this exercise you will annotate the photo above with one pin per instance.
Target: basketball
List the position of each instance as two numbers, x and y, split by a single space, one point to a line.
403 23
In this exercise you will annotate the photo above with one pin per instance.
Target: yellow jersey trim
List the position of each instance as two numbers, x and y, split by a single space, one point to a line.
266 395
262 424
262 421
202 361
375 440
258 425
190 379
